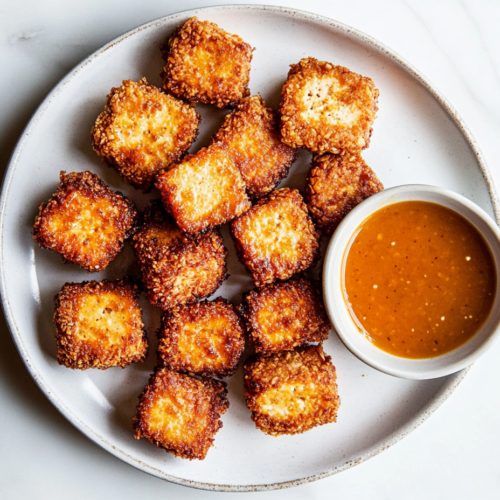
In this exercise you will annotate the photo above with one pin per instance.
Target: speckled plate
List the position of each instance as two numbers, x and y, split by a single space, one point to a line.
418 138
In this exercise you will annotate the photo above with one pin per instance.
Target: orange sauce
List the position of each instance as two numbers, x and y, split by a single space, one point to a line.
419 279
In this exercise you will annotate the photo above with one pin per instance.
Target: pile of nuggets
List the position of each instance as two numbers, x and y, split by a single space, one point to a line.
144 133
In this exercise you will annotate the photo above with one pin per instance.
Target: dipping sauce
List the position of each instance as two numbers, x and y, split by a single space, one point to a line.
419 279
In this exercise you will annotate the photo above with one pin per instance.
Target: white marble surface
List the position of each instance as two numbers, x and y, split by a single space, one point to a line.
454 454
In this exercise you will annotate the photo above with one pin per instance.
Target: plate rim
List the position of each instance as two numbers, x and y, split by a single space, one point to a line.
362 37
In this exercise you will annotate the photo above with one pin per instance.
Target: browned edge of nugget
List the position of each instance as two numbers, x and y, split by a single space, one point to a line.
163 381
315 400
78 353
114 229
335 185
285 315
216 354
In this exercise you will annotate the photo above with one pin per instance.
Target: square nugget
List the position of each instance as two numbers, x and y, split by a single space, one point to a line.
203 191
99 325
285 315
335 185
276 238
85 221
142 130
327 108
252 138
181 414
206 338
291 392
177 268
206 64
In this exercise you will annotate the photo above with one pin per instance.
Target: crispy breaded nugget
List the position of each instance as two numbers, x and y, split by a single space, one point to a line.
335 185
285 315
276 238
85 221
180 413
252 138
177 268
206 64
142 130
291 392
327 108
203 191
99 325
206 338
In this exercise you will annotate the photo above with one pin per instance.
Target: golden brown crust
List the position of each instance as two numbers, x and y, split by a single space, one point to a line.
181 414
206 64
142 130
206 338
285 315
177 268
85 221
327 108
99 325
203 191
335 185
291 392
252 138
276 238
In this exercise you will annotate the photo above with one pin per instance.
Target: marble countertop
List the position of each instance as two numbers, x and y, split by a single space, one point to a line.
454 454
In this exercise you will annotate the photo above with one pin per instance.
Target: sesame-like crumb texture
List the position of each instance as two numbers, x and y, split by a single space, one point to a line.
291 392
180 413
142 130
327 108
252 138
85 221
206 64
99 325
177 268
203 191
335 185
285 315
206 338
276 238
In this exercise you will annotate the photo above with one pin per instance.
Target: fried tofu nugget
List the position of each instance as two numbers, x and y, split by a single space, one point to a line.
291 392
203 191
206 64
251 137
142 130
85 221
99 325
285 315
181 414
276 238
177 268
335 185
327 108
206 338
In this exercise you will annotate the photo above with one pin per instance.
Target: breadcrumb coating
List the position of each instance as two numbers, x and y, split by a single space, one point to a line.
206 338
327 108
181 414
206 64
142 131
252 138
99 325
203 191
85 221
285 315
276 238
335 185
291 392
177 268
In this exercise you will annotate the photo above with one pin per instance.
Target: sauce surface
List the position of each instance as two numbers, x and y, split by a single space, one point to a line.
419 279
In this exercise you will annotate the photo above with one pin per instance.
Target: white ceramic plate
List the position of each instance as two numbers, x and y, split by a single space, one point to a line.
417 139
